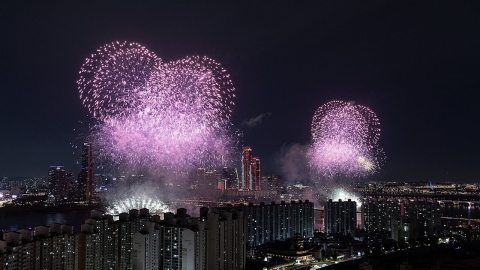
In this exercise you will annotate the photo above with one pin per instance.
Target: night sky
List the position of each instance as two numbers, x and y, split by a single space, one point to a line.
414 63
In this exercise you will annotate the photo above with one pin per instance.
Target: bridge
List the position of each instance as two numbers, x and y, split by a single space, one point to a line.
459 203
467 200
462 219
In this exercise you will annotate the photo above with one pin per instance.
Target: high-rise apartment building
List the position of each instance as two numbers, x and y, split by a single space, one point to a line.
340 217
424 217
147 247
404 219
178 247
96 242
46 247
379 215
270 222
137 240
226 239
255 168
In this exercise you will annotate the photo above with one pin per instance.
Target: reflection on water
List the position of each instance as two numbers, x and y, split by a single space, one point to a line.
461 211
13 223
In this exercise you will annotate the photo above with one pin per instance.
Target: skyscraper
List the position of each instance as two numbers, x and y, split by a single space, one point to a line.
250 170
86 181
255 168
57 182
246 173
340 217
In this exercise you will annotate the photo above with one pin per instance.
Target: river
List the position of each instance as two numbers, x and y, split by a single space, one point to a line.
13 223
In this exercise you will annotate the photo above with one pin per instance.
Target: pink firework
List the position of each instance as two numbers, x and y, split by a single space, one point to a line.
166 140
113 78
177 114
345 140
193 86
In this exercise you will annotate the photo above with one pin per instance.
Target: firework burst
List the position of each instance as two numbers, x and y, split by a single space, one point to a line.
113 78
155 206
154 114
344 194
345 140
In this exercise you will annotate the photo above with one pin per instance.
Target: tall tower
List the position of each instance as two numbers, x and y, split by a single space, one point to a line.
246 170
87 181
57 182
255 168
250 170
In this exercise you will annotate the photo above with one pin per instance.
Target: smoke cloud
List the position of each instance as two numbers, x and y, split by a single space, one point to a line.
257 120
293 163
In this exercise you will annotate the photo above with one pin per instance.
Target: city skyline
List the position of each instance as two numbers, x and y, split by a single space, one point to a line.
412 63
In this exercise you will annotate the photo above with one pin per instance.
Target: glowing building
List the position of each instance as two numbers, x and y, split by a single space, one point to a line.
250 170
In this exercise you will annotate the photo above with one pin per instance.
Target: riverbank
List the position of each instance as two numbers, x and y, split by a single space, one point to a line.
26 209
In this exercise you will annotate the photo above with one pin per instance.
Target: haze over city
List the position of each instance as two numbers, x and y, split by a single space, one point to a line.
414 64
292 135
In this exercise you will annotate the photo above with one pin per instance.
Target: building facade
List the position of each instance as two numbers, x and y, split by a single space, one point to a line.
250 170
379 215
271 222
340 217
136 240
86 178
57 183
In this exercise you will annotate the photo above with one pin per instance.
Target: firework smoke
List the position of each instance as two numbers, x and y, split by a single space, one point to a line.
344 148
344 195
148 195
294 164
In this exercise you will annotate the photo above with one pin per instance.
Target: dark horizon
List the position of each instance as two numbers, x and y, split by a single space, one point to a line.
415 64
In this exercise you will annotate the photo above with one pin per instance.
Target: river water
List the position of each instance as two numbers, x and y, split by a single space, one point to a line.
13 223
461 212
